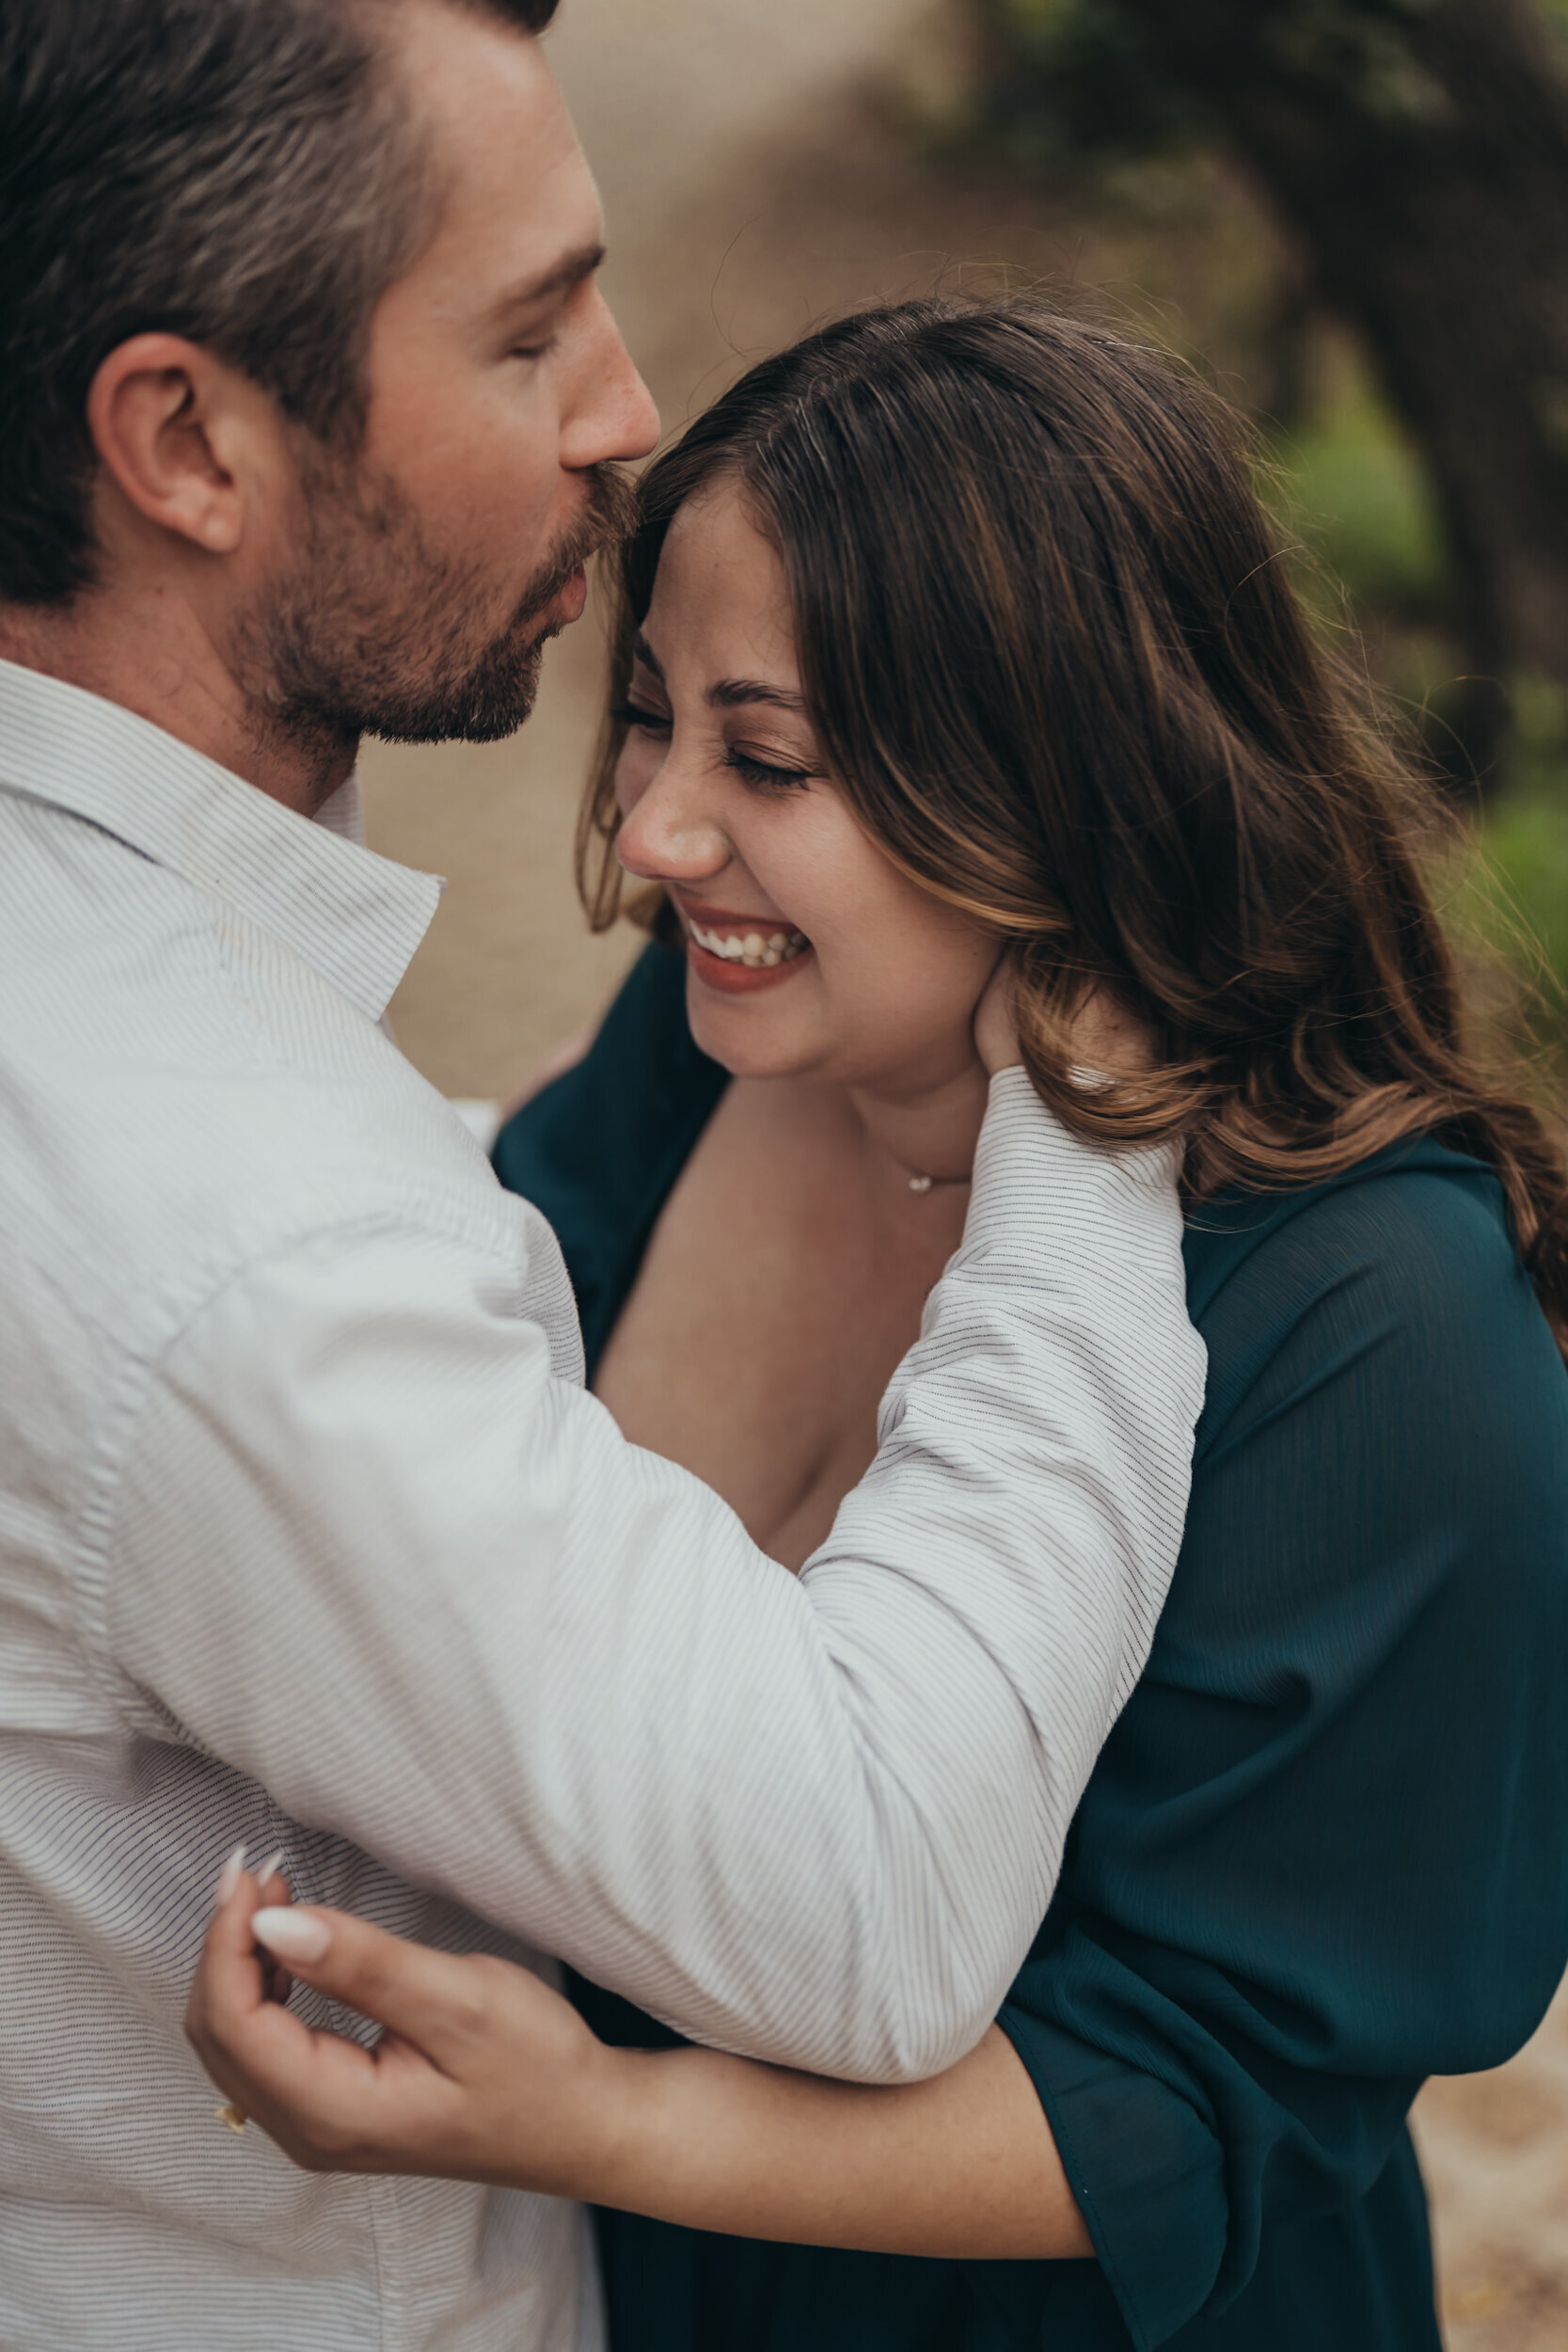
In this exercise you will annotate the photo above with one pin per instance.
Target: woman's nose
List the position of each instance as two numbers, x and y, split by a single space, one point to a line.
672 834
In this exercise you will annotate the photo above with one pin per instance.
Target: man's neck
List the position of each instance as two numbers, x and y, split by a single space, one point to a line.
154 658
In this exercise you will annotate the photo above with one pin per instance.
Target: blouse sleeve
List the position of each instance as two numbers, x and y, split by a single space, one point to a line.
1326 1850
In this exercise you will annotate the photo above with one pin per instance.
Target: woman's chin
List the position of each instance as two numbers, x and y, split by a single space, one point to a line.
750 1036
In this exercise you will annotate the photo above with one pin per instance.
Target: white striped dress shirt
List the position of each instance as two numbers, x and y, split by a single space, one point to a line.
309 1535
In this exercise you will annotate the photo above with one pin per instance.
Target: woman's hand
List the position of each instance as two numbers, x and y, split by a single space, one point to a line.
481 2073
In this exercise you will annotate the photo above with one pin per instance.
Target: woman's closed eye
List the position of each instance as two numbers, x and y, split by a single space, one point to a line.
765 775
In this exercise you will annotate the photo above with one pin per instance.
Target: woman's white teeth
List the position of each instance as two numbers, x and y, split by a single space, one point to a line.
757 950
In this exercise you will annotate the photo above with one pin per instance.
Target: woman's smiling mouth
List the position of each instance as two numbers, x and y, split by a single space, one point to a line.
740 953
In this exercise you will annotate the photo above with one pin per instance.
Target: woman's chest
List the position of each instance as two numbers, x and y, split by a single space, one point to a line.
776 1298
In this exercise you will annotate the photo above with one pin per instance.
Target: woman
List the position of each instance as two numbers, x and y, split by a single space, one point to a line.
955 630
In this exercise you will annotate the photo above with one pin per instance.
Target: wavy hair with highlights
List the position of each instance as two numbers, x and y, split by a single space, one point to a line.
1052 652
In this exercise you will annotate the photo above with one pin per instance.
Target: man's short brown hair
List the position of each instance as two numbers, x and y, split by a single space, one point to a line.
240 173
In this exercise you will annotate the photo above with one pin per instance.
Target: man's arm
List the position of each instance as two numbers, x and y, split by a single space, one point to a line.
371 1552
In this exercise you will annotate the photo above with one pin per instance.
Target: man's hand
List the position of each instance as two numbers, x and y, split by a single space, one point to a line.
995 1026
481 2073
1105 1036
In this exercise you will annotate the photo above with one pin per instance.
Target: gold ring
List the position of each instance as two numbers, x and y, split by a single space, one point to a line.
232 2114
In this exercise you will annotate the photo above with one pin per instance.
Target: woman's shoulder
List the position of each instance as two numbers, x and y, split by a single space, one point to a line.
1419 1224
1396 1284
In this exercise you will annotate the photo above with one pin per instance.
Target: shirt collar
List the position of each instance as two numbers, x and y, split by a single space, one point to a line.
354 917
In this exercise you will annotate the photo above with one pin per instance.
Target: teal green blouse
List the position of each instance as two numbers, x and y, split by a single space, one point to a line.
1325 1851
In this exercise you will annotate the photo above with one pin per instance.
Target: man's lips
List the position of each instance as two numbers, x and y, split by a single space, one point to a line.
558 611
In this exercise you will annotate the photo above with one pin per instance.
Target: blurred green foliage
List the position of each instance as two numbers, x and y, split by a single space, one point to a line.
1353 488
1526 842
1073 96
1067 80
1074 78
1527 848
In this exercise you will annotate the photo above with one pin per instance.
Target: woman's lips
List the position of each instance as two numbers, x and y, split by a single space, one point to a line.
739 953
740 979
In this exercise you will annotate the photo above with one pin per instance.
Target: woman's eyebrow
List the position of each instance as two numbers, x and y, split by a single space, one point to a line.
730 691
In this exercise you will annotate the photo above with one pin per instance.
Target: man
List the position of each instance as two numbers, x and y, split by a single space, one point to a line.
310 1537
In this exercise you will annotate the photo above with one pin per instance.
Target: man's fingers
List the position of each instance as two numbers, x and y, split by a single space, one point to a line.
1106 1036
431 2001
995 1019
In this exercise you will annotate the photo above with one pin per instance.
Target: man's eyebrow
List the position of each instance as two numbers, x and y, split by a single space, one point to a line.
731 693
568 272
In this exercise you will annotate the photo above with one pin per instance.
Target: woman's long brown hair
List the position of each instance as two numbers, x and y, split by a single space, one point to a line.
1049 645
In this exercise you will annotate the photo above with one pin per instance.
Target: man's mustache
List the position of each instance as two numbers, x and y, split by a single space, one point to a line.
609 516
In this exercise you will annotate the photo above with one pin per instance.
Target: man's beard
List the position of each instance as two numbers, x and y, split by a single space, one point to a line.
373 631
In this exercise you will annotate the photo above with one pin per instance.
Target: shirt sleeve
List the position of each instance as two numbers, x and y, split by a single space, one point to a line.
1323 1854
370 1550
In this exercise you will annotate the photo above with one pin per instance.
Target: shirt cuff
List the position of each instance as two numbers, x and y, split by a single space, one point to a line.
1145 2169
1027 1158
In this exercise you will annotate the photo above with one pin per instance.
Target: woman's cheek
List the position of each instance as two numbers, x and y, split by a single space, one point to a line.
634 772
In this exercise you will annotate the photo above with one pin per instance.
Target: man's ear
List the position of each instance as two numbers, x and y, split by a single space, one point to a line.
184 438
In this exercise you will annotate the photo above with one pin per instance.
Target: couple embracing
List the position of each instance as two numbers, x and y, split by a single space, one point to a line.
917 1649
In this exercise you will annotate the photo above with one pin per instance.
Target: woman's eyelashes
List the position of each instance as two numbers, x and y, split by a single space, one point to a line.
763 776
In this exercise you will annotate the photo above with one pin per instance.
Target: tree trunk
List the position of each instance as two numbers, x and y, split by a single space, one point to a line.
1416 152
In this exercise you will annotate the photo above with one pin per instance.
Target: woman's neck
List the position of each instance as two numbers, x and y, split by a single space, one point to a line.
924 1131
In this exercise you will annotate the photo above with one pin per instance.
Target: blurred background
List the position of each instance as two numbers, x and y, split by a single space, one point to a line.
1352 215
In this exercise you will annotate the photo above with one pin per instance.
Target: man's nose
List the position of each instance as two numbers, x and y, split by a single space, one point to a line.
615 417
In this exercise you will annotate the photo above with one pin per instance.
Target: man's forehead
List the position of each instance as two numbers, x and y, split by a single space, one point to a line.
519 212
483 96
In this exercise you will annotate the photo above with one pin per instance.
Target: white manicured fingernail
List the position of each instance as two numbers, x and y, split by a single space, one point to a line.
229 1879
292 1935
269 1868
